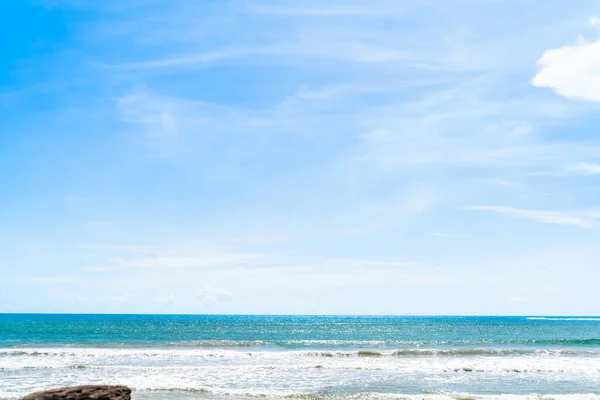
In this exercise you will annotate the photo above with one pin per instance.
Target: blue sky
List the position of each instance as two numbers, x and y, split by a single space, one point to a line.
339 157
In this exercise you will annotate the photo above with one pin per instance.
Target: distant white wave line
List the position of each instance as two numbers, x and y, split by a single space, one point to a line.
471 396
565 318
299 364
369 395
400 396
262 393
203 370
238 353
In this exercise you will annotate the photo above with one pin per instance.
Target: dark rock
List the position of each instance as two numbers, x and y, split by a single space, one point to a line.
91 392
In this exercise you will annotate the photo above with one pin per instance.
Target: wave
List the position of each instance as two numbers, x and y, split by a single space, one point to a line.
187 389
222 343
246 393
461 352
179 353
564 318
319 344
192 343
453 353
373 343
381 344
445 368
368 396
17 353
566 342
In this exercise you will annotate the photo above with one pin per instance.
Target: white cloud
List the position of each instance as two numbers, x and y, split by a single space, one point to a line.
115 257
580 219
169 120
77 298
47 280
386 214
189 59
119 298
346 51
505 183
168 298
361 263
518 299
460 126
206 260
584 168
446 235
208 294
158 116
317 12
178 261
572 71
100 268
128 249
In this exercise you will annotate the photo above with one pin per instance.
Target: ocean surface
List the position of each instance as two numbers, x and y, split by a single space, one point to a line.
304 357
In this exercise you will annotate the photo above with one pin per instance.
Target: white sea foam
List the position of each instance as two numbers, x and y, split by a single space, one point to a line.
240 372
564 318
184 394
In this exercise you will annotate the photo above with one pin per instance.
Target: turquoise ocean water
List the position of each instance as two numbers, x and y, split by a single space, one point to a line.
304 357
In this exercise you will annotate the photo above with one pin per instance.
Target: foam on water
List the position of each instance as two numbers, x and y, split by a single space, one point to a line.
563 319
305 357
289 372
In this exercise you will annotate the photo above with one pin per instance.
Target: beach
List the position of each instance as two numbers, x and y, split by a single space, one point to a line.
304 357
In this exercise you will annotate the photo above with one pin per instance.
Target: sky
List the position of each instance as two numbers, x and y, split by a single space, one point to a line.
300 157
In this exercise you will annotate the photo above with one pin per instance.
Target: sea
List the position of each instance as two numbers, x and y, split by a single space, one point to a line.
304 357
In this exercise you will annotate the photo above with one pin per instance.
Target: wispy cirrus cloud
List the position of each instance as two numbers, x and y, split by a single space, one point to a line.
200 59
584 168
109 258
196 261
579 219
447 235
347 51
316 12
175 262
449 119
99 268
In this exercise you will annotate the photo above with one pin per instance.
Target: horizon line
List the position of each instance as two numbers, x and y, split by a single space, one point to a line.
312 315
